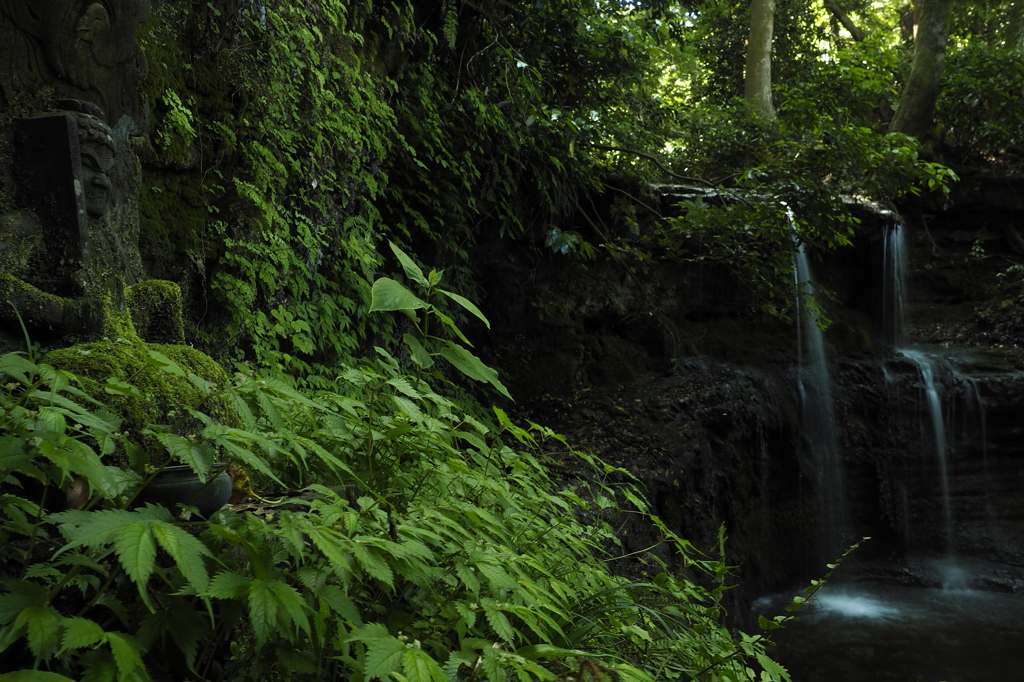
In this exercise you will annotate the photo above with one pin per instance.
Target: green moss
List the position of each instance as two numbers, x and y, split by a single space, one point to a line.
166 397
45 313
155 309
172 220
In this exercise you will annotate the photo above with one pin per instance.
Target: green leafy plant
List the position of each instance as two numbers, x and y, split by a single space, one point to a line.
411 539
390 295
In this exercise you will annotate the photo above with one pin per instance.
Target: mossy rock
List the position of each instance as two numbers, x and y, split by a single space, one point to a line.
155 307
165 396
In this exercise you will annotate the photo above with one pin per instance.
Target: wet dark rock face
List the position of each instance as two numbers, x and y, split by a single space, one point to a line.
666 373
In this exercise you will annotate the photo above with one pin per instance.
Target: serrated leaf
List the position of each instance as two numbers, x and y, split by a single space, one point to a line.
408 408
290 603
42 629
126 655
91 529
33 676
412 271
773 668
491 666
372 563
383 654
80 633
262 610
468 614
198 456
335 548
228 585
22 594
387 295
468 305
136 551
187 552
418 666
341 604
500 624
403 386
472 366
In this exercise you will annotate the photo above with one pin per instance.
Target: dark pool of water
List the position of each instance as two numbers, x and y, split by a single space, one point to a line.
885 633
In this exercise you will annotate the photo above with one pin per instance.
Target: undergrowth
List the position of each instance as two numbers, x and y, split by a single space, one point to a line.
412 540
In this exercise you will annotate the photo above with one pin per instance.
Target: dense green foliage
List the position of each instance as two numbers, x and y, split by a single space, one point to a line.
418 539
418 543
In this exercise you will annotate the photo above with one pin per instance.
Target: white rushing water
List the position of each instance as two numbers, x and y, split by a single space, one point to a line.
894 304
817 416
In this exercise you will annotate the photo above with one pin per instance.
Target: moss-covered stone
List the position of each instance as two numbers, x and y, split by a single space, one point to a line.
155 309
166 397
46 315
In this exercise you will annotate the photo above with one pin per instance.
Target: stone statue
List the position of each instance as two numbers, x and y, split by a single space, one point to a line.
76 49
69 257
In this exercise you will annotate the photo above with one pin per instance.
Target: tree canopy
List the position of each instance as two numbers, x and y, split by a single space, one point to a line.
312 131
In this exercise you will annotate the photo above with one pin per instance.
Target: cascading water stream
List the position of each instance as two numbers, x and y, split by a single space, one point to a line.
817 411
894 288
926 367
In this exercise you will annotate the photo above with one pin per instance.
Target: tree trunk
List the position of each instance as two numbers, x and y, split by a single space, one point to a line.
917 103
757 85
844 19
1015 37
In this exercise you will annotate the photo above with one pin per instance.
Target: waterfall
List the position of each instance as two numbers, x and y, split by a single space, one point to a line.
926 366
817 411
893 326
894 257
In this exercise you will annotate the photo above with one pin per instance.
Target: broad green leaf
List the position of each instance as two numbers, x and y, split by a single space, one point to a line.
126 655
228 585
418 353
538 651
115 386
262 610
198 456
17 366
450 323
383 654
467 304
42 629
80 633
136 550
187 552
473 367
412 271
158 359
33 676
22 594
500 624
387 295
629 673
418 666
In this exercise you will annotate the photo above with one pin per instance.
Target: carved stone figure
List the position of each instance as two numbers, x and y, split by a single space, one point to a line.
69 254
82 49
